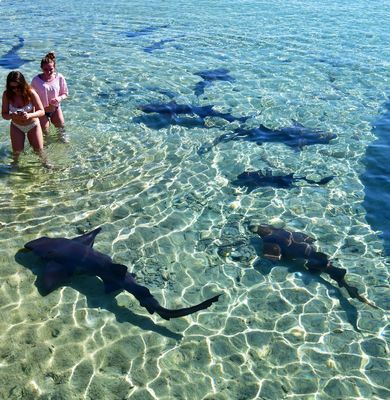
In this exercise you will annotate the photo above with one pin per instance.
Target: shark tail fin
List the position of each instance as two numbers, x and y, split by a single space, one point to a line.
353 292
146 299
338 275
181 312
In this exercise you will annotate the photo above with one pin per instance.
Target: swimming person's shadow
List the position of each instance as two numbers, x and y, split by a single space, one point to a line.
307 277
93 290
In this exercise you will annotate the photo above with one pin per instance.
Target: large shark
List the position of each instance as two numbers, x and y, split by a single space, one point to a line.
296 136
255 179
162 115
65 257
172 109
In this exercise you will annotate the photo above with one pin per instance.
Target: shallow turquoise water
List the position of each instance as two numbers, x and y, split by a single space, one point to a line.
166 210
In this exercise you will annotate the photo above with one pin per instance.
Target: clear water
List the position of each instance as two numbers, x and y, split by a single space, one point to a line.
165 209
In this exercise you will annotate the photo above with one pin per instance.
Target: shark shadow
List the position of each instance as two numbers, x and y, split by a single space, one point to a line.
92 289
210 76
252 180
296 136
66 257
308 277
11 59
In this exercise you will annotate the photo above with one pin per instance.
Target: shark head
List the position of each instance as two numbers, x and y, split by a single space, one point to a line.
37 243
49 248
44 243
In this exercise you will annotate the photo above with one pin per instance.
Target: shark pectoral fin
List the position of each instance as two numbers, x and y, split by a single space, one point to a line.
88 238
53 276
272 251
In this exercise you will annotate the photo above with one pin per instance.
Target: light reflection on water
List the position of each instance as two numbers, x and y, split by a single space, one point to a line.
165 209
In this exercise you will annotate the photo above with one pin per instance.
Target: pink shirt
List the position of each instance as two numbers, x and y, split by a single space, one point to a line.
49 90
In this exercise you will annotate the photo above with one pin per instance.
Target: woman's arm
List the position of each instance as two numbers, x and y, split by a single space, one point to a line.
64 92
39 110
5 108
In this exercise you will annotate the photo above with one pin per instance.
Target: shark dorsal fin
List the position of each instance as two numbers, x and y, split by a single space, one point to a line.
88 238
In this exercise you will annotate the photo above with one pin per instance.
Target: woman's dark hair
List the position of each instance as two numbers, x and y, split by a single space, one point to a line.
49 58
25 89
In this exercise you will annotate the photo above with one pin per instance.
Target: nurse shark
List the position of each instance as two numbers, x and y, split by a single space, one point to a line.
252 180
210 76
171 112
296 136
65 257
282 244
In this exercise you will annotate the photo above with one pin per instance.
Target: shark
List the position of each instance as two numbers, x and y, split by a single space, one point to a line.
144 31
255 179
65 257
296 136
282 244
172 109
157 45
210 76
11 59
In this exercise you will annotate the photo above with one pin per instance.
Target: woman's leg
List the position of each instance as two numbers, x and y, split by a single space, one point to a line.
58 121
45 124
35 137
58 118
17 142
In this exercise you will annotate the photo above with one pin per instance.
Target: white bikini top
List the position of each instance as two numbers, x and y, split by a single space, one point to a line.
27 108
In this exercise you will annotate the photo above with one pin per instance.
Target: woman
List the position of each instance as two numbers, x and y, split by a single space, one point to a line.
52 89
23 107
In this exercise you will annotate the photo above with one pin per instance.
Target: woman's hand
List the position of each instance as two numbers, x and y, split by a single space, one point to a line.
24 116
56 101
19 117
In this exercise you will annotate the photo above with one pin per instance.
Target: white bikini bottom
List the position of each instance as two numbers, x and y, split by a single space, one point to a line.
26 128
